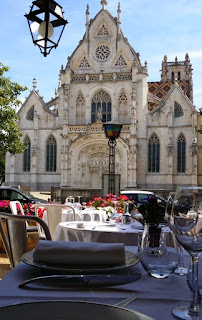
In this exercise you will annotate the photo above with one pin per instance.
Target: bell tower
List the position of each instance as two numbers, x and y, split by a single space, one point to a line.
178 71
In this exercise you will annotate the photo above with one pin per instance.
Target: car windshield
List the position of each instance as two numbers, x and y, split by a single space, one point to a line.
26 194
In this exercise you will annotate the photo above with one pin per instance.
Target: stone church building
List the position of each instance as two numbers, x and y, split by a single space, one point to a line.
105 80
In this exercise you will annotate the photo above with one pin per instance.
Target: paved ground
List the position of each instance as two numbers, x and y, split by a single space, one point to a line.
4 265
42 195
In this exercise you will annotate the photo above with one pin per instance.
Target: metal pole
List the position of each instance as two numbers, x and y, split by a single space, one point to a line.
111 187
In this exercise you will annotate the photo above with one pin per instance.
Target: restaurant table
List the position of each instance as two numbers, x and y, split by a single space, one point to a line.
155 297
98 232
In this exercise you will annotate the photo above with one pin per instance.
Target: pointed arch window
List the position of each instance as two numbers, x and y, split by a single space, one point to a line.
101 106
178 111
51 154
181 154
172 76
154 154
30 114
80 109
123 108
27 155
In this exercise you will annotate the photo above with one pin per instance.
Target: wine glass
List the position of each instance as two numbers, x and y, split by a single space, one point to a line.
186 220
181 269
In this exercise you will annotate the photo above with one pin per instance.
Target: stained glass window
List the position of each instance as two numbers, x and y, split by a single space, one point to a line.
154 154
181 154
101 107
51 154
178 111
27 155
30 114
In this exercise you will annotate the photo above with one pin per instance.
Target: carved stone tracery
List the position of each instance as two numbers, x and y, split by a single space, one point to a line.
103 31
102 52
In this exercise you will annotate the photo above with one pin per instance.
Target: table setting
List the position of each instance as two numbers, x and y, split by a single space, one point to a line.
108 277
108 285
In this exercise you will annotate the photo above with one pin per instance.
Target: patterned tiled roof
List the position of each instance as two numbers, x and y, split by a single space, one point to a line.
161 88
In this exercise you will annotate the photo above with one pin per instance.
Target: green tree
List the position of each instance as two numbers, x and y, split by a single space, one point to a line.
9 131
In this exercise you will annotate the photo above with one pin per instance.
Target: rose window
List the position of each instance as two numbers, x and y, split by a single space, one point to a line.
102 52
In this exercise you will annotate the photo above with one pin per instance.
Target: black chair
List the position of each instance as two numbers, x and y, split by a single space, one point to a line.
15 236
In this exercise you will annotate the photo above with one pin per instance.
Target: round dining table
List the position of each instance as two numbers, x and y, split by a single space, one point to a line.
92 231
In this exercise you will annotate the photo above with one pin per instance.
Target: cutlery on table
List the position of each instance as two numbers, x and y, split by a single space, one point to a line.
104 225
67 281
126 301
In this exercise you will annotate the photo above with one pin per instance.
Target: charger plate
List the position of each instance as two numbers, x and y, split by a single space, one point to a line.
71 310
130 260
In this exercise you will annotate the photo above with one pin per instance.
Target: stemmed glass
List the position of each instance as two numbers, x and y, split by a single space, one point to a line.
186 224
181 269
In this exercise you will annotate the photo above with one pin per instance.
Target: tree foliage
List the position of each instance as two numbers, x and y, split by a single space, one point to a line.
9 131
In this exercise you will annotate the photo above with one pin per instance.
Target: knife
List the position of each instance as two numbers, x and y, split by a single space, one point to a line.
69 281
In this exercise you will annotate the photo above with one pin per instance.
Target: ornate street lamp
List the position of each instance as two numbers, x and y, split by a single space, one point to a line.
112 131
46 24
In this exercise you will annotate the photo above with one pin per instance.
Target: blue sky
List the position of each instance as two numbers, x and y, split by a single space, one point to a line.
153 28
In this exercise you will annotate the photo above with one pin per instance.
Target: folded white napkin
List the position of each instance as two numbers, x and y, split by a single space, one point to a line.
79 253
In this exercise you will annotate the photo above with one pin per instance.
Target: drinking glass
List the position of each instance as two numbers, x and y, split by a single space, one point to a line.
159 252
181 269
187 226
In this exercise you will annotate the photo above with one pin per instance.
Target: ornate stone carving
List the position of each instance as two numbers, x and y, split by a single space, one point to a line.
84 63
194 148
120 62
170 149
102 52
66 93
124 76
103 31
34 151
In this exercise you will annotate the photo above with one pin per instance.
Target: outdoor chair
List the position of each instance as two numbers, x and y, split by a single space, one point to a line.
14 236
53 215
15 205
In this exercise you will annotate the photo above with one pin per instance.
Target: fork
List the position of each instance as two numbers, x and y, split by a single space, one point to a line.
126 301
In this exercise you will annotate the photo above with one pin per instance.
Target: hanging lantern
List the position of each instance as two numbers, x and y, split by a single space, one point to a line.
46 23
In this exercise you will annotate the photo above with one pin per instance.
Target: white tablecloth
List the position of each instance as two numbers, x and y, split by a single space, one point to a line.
97 232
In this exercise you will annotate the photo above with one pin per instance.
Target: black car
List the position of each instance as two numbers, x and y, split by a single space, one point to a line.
16 194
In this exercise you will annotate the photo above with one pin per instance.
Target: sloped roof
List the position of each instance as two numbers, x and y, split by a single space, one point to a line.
161 88
31 92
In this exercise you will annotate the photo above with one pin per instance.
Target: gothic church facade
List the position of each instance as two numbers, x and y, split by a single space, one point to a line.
105 80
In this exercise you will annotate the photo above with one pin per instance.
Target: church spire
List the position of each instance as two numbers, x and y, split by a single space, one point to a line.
118 19
34 83
87 21
103 3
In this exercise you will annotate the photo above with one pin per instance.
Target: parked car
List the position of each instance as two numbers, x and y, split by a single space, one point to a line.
140 196
16 194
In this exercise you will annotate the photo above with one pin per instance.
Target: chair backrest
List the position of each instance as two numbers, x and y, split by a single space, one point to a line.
15 205
53 215
15 236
